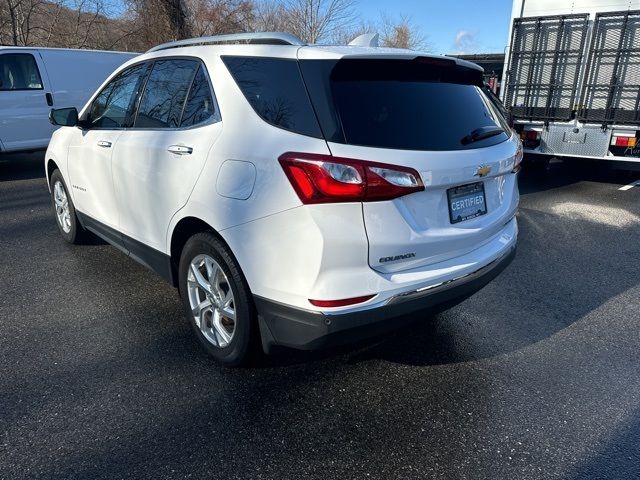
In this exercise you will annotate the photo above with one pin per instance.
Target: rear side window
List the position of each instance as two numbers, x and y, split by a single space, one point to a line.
200 106
403 104
113 107
165 93
19 71
276 91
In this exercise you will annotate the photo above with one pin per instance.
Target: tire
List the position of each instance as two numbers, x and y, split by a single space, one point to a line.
232 345
65 212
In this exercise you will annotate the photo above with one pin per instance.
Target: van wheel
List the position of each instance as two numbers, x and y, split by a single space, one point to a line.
217 300
67 220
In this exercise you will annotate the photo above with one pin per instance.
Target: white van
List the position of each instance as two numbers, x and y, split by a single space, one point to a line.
33 80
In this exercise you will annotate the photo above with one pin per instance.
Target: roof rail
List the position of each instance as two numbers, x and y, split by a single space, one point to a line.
266 38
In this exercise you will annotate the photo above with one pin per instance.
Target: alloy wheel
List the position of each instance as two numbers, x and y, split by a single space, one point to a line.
62 206
211 300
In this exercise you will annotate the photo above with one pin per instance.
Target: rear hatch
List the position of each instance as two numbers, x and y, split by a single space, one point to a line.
429 114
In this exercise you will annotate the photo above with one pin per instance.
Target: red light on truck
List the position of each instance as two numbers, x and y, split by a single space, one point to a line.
530 135
624 141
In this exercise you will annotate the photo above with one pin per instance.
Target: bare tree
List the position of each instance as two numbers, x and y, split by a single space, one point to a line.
144 23
209 17
19 19
319 20
401 33
270 16
394 33
59 23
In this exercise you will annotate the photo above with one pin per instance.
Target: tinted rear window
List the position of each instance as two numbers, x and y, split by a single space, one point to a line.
401 104
276 91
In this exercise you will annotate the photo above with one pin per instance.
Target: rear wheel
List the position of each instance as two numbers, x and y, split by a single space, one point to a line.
67 221
217 300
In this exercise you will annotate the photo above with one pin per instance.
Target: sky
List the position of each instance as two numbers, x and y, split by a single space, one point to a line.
451 26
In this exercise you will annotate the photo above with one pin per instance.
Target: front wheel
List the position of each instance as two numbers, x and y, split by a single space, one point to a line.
217 300
67 220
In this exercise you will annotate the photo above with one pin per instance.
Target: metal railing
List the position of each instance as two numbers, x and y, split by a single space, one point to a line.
611 92
544 63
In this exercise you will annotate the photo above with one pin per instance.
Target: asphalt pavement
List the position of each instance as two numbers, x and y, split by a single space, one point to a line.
537 376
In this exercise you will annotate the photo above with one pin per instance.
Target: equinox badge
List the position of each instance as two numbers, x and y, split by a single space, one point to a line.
397 257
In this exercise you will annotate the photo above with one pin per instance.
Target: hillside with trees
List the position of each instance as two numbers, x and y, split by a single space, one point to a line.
136 25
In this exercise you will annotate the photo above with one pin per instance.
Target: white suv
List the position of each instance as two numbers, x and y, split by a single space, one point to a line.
297 195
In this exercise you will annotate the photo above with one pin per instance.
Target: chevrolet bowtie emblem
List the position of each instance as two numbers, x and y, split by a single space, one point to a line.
483 171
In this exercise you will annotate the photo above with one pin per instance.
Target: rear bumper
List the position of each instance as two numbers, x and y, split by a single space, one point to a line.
282 325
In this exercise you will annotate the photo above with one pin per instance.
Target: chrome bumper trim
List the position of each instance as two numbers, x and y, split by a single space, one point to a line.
438 287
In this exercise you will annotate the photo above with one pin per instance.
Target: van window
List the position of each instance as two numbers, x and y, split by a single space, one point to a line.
165 93
19 71
200 106
276 91
114 106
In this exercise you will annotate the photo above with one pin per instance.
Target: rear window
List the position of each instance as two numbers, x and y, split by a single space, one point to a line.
421 104
276 91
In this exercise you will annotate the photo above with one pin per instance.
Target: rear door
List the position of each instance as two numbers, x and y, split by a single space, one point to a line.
156 163
430 115
24 101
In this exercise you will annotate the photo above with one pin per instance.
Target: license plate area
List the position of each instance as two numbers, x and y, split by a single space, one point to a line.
466 202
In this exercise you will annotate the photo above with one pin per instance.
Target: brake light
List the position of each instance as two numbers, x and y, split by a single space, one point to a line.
341 303
320 178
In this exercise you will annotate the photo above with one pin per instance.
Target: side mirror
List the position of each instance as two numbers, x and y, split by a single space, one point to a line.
64 117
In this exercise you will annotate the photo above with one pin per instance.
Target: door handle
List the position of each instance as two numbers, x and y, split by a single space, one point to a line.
104 144
49 98
180 150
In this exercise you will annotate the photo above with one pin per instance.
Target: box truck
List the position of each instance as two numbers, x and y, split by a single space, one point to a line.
572 81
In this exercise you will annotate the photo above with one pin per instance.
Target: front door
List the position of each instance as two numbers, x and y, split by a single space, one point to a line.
91 150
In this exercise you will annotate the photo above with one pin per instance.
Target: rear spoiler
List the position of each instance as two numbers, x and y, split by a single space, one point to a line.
400 68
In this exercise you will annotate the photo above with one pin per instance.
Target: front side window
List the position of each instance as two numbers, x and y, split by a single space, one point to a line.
114 106
165 93
19 71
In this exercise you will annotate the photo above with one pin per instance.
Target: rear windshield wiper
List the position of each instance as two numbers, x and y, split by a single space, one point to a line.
480 134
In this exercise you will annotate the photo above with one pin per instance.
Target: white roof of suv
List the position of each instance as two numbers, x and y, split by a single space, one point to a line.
286 45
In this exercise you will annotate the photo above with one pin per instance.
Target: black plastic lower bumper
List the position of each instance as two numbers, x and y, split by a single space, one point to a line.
282 325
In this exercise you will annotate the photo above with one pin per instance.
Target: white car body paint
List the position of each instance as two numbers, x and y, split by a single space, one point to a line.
289 252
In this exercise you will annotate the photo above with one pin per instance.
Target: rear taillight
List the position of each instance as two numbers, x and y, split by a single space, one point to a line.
517 158
320 178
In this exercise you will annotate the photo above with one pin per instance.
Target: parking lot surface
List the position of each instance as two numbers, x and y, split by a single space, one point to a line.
536 376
